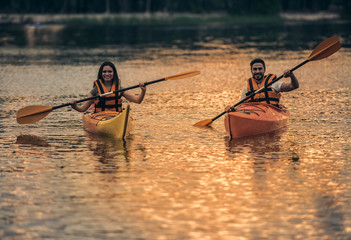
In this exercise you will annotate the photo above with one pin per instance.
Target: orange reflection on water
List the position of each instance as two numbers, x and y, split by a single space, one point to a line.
172 180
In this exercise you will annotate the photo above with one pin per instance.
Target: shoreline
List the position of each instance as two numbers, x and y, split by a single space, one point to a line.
158 18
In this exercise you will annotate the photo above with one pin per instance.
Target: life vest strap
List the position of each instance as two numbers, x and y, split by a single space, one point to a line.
266 94
112 101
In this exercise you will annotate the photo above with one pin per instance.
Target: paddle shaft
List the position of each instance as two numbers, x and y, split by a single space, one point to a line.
108 93
34 113
260 90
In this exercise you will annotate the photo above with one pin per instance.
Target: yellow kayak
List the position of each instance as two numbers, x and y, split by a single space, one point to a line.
118 125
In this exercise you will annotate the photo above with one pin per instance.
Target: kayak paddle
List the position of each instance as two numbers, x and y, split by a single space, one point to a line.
35 113
323 50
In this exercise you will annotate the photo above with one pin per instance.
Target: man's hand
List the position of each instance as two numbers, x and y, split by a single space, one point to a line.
288 73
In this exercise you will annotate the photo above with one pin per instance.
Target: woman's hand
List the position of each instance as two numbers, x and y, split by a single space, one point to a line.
142 86
73 104
135 98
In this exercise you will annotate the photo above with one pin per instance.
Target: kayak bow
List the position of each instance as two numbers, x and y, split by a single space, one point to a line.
255 118
118 125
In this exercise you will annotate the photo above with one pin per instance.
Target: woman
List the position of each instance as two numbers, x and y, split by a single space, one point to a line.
108 81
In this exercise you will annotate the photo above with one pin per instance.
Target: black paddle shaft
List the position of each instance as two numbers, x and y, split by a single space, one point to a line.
260 90
108 93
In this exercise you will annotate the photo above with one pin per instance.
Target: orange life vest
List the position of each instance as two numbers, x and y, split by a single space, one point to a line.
111 102
267 95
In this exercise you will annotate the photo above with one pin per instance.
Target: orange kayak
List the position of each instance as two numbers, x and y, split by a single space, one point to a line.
255 118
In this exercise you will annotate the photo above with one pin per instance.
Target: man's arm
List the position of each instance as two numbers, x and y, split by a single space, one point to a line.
292 85
243 94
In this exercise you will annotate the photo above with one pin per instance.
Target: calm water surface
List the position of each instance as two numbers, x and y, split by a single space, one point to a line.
172 180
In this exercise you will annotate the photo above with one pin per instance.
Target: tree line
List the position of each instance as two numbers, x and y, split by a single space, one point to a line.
235 7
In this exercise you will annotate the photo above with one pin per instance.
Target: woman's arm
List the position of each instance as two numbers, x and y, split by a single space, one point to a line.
84 107
134 98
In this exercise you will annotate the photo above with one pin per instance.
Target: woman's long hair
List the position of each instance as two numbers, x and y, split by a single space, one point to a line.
115 74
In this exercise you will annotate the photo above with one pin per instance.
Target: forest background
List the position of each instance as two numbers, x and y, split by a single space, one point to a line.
230 7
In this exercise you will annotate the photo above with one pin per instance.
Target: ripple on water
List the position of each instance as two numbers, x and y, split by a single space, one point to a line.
172 180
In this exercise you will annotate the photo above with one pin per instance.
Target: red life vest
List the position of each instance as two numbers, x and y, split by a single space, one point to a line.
267 95
111 102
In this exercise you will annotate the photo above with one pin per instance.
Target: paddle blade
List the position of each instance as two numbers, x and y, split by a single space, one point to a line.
32 114
183 75
204 123
325 49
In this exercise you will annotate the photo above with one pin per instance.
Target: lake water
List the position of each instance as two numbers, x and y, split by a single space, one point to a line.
172 180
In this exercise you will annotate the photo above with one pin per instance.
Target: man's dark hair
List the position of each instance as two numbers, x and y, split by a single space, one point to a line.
257 60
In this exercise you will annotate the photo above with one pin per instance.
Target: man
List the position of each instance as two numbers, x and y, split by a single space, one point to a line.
271 95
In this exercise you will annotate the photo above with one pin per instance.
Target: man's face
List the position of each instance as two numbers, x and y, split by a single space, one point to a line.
257 71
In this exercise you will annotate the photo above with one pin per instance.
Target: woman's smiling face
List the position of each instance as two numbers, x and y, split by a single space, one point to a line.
107 73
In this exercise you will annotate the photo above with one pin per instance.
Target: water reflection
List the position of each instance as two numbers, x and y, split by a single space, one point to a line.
330 212
34 140
293 183
257 145
47 35
107 148
113 154
276 36
262 150
81 44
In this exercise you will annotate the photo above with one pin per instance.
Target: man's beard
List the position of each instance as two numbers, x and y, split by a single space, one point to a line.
258 76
